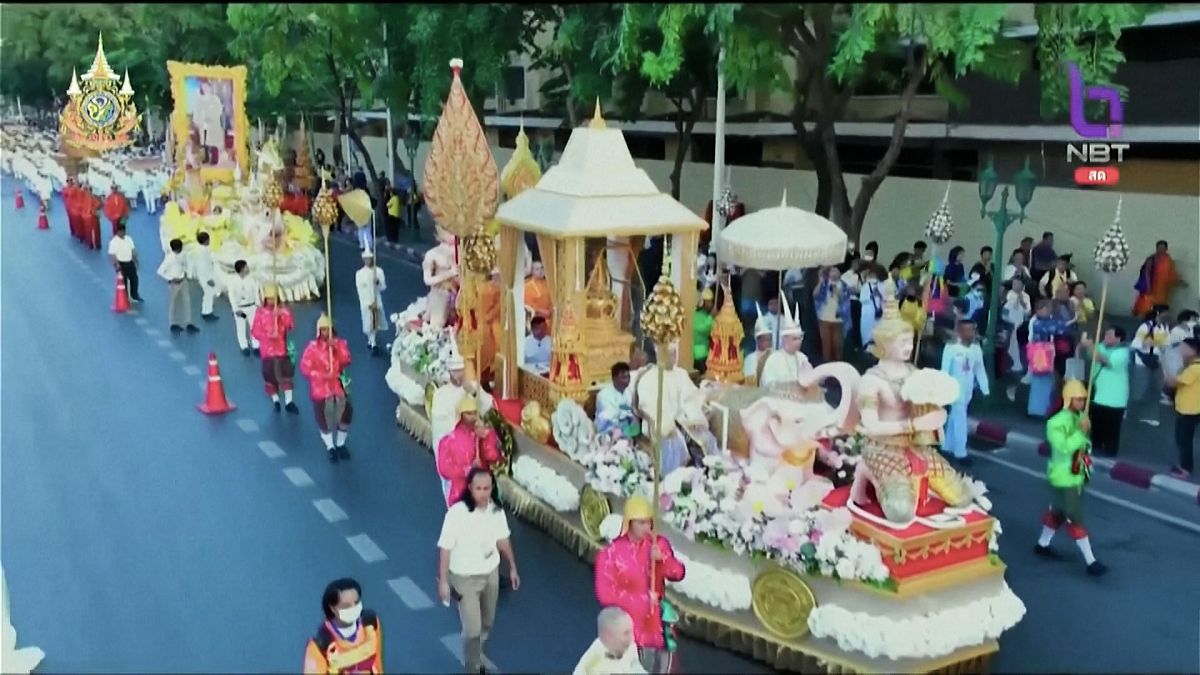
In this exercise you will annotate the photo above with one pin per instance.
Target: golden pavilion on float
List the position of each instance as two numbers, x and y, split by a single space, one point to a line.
594 198
100 114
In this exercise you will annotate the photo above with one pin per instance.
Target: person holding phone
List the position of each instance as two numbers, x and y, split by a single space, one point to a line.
474 537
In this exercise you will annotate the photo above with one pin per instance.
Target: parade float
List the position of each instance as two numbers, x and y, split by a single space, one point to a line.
816 538
214 191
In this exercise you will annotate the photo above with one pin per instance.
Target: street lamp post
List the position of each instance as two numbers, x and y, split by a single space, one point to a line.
1023 184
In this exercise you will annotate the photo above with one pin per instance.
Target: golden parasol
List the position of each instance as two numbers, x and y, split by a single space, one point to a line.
357 205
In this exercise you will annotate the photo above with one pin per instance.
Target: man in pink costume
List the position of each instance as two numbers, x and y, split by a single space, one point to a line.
473 443
272 323
623 580
323 362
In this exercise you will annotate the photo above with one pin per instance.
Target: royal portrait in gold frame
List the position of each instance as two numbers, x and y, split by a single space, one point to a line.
209 121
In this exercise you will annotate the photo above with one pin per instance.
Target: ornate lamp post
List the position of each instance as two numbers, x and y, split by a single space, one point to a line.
1023 184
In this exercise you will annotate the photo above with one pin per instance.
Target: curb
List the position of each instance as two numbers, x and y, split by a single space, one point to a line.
1125 472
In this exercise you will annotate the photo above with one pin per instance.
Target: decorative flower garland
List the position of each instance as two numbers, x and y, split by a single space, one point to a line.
508 444
619 468
425 350
714 586
927 636
545 484
573 431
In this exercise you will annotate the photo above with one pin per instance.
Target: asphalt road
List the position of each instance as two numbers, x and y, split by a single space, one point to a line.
139 534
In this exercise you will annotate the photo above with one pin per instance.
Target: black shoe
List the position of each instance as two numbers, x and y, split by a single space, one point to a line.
246 351
256 352
191 328
209 317
176 330
333 456
136 299
1097 569
276 404
343 451
374 350
291 407
1047 552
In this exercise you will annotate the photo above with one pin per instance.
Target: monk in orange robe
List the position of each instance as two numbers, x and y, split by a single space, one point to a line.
90 213
1156 281
489 306
116 209
537 294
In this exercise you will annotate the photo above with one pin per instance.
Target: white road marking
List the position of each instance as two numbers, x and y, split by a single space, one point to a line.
366 548
1144 510
410 593
453 644
191 370
177 356
271 449
298 476
141 321
153 332
247 425
163 342
329 508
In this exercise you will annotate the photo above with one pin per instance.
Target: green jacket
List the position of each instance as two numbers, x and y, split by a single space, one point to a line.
1065 439
702 326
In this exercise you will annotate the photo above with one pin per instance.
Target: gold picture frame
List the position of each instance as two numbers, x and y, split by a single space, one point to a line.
230 84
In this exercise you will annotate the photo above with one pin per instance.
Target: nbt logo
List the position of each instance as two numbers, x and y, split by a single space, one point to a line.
1095 153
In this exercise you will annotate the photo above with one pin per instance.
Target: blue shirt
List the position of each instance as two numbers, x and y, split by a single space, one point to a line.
537 354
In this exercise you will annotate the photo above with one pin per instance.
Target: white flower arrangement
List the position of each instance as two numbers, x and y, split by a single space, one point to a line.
733 505
425 350
619 468
545 484
573 431
994 540
713 586
929 635
610 527
930 387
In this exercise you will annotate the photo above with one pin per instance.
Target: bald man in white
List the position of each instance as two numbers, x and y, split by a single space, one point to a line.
613 652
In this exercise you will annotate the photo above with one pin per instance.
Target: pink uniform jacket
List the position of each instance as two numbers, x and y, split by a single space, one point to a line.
456 456
623 580
324 378
272 341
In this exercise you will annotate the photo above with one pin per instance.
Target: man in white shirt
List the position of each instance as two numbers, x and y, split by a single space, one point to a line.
205 274
371 283
173 270
123 256
537 347
782 369
613 652
962 360
762 345
614 405
244 299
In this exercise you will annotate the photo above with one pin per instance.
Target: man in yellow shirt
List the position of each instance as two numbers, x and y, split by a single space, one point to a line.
1187 406
393 214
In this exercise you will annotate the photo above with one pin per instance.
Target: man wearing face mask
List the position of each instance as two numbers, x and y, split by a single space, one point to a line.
350 639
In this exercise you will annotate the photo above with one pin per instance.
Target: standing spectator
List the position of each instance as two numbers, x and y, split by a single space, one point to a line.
474 537
123 256
1187 407
1157 279
1016 312
393 215
1017 269
955 273
414 206
613 652
1110 389
702 325
918 260
1085 308
871 251
832 299
1149 342
1026 248
1061 275
1044 329
350 640
854 281
984 269
871 298
1172 360
1041 259
897 270
912 309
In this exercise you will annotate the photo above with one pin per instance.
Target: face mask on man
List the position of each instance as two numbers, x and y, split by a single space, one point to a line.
350 615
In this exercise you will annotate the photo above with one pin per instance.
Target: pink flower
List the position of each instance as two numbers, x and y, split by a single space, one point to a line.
775 533
665 501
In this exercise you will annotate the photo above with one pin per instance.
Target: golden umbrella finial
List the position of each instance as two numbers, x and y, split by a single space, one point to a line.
597 118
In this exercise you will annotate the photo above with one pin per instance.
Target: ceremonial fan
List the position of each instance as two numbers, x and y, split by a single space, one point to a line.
357 205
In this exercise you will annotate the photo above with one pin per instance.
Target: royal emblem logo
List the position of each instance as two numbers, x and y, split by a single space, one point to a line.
100 114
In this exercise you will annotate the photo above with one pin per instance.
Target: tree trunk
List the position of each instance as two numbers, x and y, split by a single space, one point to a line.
572 110
338 158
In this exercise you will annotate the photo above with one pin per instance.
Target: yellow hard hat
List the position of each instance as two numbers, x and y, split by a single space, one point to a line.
467 404
1073 389
270 291
324 322
636 508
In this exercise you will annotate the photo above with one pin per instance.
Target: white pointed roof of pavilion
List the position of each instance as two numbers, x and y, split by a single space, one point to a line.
595 190
74 89
126 88
100 69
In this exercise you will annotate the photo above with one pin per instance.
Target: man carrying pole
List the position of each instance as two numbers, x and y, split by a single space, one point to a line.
370 283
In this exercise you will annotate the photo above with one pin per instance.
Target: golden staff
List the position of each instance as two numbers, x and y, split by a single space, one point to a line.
1112 255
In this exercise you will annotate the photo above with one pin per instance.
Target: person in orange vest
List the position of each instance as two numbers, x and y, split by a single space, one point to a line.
323 362
350 639
116 208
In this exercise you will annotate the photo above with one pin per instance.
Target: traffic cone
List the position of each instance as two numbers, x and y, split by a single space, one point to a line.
43 221
20 201
214 399
121 301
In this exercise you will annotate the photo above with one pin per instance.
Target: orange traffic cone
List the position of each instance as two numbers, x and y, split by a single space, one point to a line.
43 221
214 399
121 302
20 201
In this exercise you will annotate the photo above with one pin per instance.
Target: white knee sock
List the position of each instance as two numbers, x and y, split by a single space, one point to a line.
328 438
275 397
287 396
1047 535
344 434
1085 547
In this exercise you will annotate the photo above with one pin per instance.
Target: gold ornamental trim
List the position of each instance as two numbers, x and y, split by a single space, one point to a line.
594 507
783 602
932 539
181 116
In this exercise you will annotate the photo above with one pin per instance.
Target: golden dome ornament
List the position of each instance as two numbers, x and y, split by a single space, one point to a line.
324 209
662 318
272 194
522 171
479 253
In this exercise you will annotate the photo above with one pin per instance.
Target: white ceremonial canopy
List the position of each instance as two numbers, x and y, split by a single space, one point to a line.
780 238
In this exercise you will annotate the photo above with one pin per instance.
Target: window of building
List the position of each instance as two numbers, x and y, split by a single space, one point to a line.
512 83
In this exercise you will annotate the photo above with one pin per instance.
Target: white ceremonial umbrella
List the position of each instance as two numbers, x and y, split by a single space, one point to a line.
781 238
